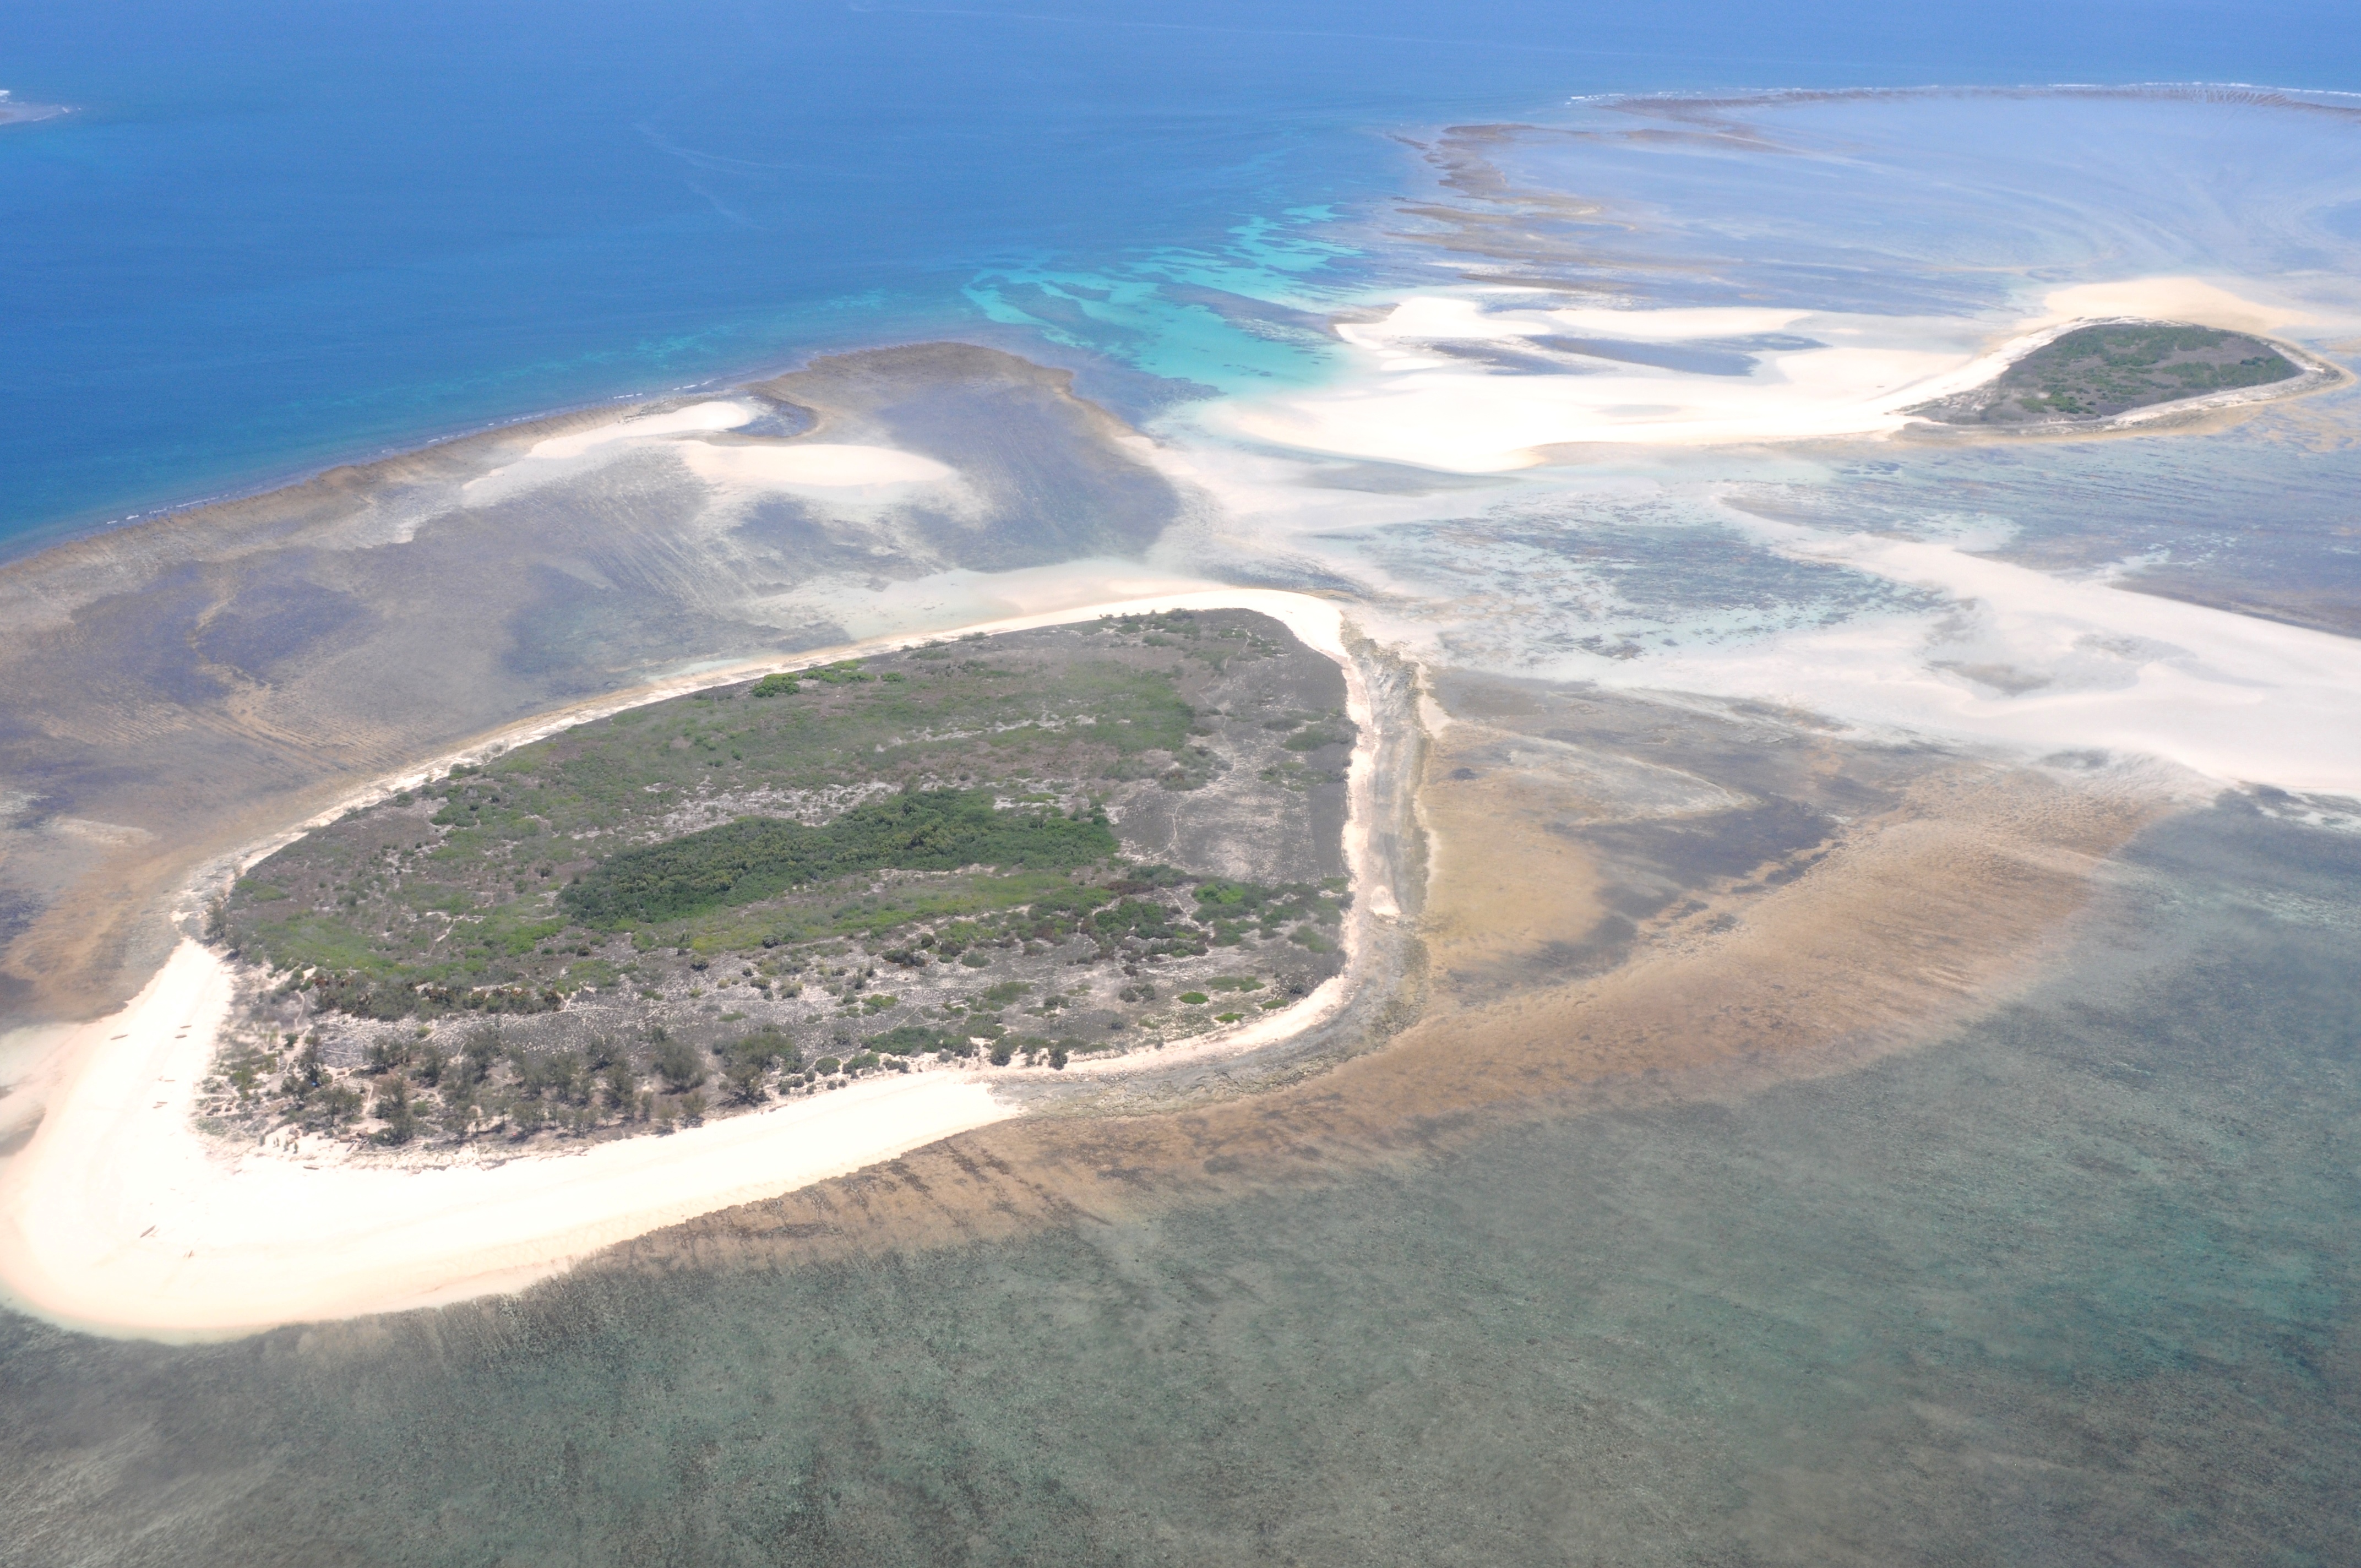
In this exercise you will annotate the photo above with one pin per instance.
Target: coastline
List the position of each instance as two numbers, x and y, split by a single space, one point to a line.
120 1216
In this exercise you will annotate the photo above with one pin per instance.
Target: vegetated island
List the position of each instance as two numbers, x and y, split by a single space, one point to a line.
2098 372
1012 850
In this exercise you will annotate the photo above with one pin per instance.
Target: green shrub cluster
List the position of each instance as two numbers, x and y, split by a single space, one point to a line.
756 858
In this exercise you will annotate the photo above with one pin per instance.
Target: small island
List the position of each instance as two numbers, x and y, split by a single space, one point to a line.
2101 372
989 853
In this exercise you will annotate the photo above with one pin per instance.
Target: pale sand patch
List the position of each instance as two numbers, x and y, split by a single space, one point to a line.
2029 659
721 414
119 1216
580 452
1411 394
818 467
2176 299
1405 401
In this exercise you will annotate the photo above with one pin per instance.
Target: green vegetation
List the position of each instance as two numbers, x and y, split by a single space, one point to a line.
908 860
487 889
754 858
2096 372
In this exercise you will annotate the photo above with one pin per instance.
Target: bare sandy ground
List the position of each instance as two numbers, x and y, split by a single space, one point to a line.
120 1216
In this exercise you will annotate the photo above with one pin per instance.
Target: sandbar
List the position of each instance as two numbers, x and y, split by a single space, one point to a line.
1487 382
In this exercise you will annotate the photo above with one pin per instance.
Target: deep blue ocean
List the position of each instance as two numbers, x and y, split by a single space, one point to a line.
271 236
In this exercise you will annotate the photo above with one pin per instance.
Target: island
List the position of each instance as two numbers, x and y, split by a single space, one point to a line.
1006 851
2093 374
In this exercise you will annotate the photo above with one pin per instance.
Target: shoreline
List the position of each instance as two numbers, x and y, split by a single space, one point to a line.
119 1217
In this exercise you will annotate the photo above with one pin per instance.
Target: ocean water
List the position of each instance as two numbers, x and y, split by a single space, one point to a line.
273 237
2073 1283
2076 1285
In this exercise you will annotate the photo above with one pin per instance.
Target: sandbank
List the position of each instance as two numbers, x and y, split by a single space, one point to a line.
1481 382
2033 660
820 465
120 1216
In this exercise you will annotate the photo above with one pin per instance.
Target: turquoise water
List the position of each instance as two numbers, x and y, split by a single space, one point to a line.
275 235
2077 1285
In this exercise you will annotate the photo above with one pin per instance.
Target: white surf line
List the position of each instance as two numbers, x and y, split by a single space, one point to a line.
119 1217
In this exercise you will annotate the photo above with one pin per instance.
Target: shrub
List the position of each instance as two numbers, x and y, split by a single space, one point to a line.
745 1082
400 1116
334 1105
622 1086
757 857
766 1048
677 1065
910 1039
776 685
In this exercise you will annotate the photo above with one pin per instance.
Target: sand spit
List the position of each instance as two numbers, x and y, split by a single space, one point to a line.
120 1216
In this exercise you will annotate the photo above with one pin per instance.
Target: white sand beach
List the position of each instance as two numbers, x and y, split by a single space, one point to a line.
121 1217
